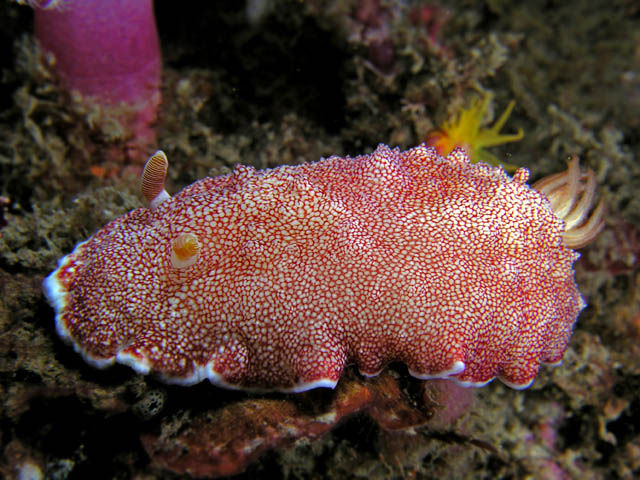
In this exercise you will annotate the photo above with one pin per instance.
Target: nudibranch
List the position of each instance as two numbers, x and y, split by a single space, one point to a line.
277 279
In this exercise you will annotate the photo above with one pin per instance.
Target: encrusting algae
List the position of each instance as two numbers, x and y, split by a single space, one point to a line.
465 130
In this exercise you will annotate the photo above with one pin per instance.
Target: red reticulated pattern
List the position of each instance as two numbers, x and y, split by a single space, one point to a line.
453 268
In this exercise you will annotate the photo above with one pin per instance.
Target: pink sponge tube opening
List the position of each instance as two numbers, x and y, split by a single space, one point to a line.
105 49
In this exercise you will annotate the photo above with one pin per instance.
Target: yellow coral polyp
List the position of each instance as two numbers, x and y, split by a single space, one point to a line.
466 131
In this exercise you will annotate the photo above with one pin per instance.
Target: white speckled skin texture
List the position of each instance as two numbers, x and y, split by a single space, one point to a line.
455 269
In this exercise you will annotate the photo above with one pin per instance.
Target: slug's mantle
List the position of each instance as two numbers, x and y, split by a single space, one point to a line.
278 279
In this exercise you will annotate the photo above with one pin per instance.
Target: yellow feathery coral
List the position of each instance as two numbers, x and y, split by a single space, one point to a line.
466 131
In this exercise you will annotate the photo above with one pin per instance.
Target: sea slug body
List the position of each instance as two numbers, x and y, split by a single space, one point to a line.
278 279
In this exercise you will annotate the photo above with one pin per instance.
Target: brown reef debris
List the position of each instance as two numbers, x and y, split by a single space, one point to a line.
225 441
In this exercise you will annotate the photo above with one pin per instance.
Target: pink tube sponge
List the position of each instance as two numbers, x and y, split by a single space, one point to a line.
107 50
